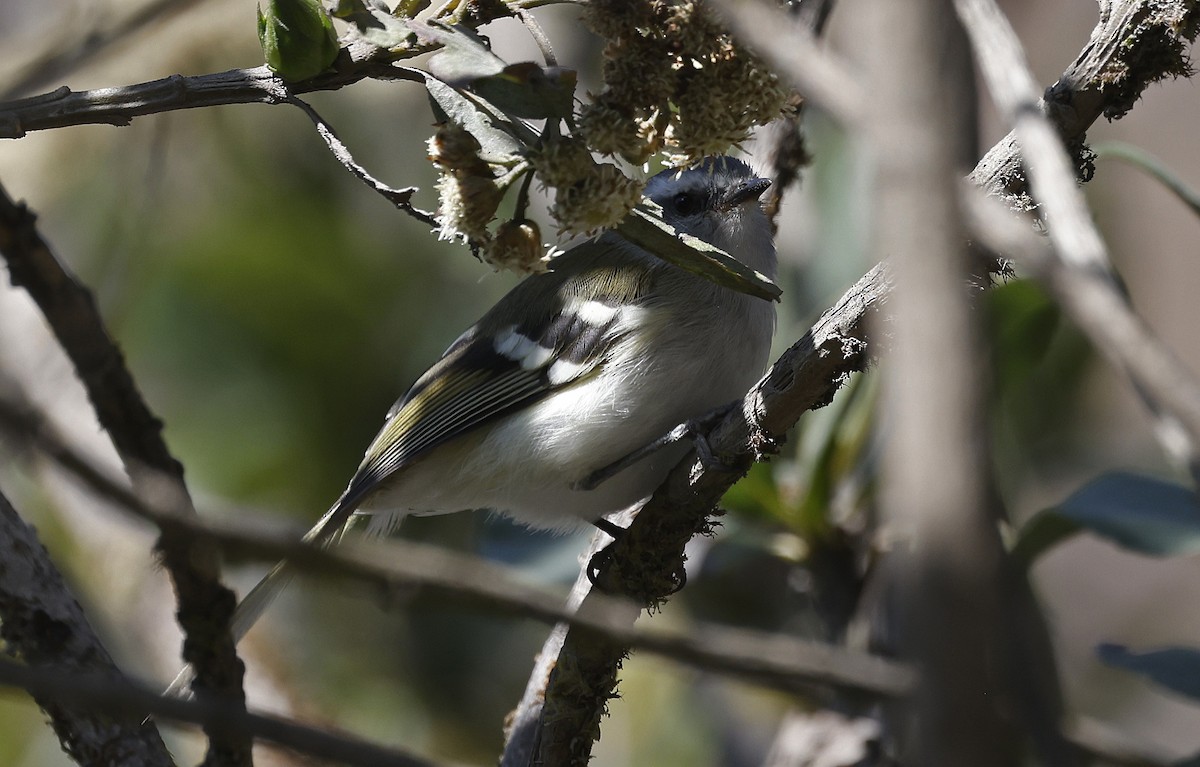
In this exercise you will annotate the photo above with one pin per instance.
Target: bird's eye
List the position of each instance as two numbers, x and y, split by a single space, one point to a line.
686 203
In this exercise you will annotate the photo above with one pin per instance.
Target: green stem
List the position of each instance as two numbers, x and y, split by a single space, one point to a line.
1147 162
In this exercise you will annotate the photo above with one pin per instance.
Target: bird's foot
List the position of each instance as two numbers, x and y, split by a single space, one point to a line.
694 429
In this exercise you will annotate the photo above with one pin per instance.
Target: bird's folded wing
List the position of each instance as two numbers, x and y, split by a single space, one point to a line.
511 359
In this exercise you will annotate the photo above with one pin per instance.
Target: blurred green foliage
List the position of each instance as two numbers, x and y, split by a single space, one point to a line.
1038 363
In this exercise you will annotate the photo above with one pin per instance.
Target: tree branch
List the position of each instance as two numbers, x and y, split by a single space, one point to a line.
205 606
521 730
42 623
118 106
1080 274
63 107
122 697
1134 45
947 566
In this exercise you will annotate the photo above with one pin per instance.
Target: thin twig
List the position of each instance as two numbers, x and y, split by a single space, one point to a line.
538 34
71 311
401 198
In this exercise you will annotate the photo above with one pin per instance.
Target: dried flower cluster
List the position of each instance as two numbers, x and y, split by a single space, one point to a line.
469 193
517 246
675 82
467 190
589 196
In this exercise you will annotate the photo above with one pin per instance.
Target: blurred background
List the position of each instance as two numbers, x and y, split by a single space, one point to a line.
271 309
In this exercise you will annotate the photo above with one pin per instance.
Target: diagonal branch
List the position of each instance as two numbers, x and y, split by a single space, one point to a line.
205 606
1080 273
1135 44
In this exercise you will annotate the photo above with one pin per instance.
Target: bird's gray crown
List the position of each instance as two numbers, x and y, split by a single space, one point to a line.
715 185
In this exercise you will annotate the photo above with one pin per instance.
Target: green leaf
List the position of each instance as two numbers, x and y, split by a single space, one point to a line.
465 55
645 228
524 89
755 495
371 21
502 141
834 453
1175 668
1043 532
297 38
529 90
1023 321
1143 514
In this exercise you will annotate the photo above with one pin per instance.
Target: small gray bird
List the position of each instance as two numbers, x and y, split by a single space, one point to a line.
571 371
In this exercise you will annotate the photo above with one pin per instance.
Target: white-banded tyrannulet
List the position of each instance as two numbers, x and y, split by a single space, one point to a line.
572 370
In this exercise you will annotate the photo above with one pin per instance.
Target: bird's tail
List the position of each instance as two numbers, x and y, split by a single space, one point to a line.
267 590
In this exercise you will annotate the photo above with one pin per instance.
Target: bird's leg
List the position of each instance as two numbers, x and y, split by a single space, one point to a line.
601 559
612 530
693 429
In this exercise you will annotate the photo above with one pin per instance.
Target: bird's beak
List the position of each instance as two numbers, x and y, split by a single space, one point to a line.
750 189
